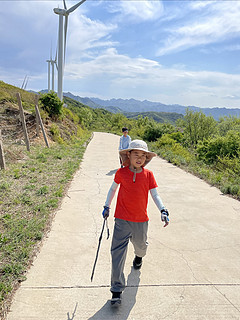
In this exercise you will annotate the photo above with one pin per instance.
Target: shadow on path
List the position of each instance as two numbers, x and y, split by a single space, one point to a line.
73 314
128 301
112 172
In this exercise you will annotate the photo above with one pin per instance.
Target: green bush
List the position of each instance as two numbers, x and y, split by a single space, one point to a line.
228 123
54 129
165 140
155 130
70 115
172 151
219 147
52 104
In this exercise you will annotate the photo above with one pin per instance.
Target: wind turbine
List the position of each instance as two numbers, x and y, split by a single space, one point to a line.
51 64
62 37
25 81
48 61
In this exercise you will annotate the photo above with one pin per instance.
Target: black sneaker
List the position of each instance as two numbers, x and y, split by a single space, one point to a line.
116 299
137 263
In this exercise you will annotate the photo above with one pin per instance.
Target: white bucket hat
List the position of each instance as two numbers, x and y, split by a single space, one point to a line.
136 145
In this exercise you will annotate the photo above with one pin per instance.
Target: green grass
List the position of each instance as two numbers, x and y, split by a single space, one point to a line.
8 93
30 193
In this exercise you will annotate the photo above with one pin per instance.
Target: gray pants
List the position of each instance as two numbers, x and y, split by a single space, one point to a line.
123 231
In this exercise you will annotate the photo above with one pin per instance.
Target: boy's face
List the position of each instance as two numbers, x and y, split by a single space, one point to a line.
125 133
137 158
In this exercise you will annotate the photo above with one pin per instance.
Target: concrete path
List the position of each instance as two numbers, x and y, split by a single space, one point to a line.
191 271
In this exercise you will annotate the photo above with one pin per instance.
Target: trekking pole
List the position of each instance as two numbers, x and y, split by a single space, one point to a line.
99 242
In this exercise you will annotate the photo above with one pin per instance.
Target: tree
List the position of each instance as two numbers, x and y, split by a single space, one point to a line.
197 127
220 147
228 123
155 130
52 104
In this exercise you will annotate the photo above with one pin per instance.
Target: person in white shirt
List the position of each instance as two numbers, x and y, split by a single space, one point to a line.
124 142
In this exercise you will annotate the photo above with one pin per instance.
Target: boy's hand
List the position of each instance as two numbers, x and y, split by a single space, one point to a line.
164 216
105 212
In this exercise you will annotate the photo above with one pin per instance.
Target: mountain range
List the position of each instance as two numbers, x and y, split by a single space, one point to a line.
132 105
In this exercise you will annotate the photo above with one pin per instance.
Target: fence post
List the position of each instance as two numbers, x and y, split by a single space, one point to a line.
37 118
41 124
23 121
2 159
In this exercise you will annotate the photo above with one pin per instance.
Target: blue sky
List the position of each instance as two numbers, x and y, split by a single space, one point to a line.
174 52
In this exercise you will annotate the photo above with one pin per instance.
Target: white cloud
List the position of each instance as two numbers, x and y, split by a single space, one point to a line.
198 5
218 23
85 34
111 63
138 11
146 79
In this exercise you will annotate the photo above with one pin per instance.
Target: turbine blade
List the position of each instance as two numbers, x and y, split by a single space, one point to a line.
64 3
65 35
23 82
55 56
75 7
26 83
51 52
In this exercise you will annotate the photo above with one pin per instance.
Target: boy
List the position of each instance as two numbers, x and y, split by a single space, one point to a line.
131 220
124 142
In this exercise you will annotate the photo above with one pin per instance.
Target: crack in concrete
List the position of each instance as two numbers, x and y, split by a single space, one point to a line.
184 285
177 307
225 297
182 256
213 248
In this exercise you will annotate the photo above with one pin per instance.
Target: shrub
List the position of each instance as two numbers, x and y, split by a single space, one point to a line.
219 147
155 130
52 104
72 116
56 133
172 151
165 140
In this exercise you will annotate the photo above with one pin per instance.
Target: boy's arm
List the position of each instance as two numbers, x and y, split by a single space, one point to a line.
159 204
120 144
111 194
108 201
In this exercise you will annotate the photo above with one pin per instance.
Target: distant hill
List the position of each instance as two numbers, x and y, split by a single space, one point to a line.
89 102
133 105
157 116
85 101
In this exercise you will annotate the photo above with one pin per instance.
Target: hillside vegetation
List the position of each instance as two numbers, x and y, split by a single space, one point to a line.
33 184
161 117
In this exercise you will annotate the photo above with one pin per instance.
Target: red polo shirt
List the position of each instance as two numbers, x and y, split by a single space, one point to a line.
132 197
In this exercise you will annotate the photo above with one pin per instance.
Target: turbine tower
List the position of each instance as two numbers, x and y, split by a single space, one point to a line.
62 37
51 64
48 61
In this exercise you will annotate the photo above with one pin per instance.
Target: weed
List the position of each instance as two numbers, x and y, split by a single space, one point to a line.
4 186
43 190
41 157
16 173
